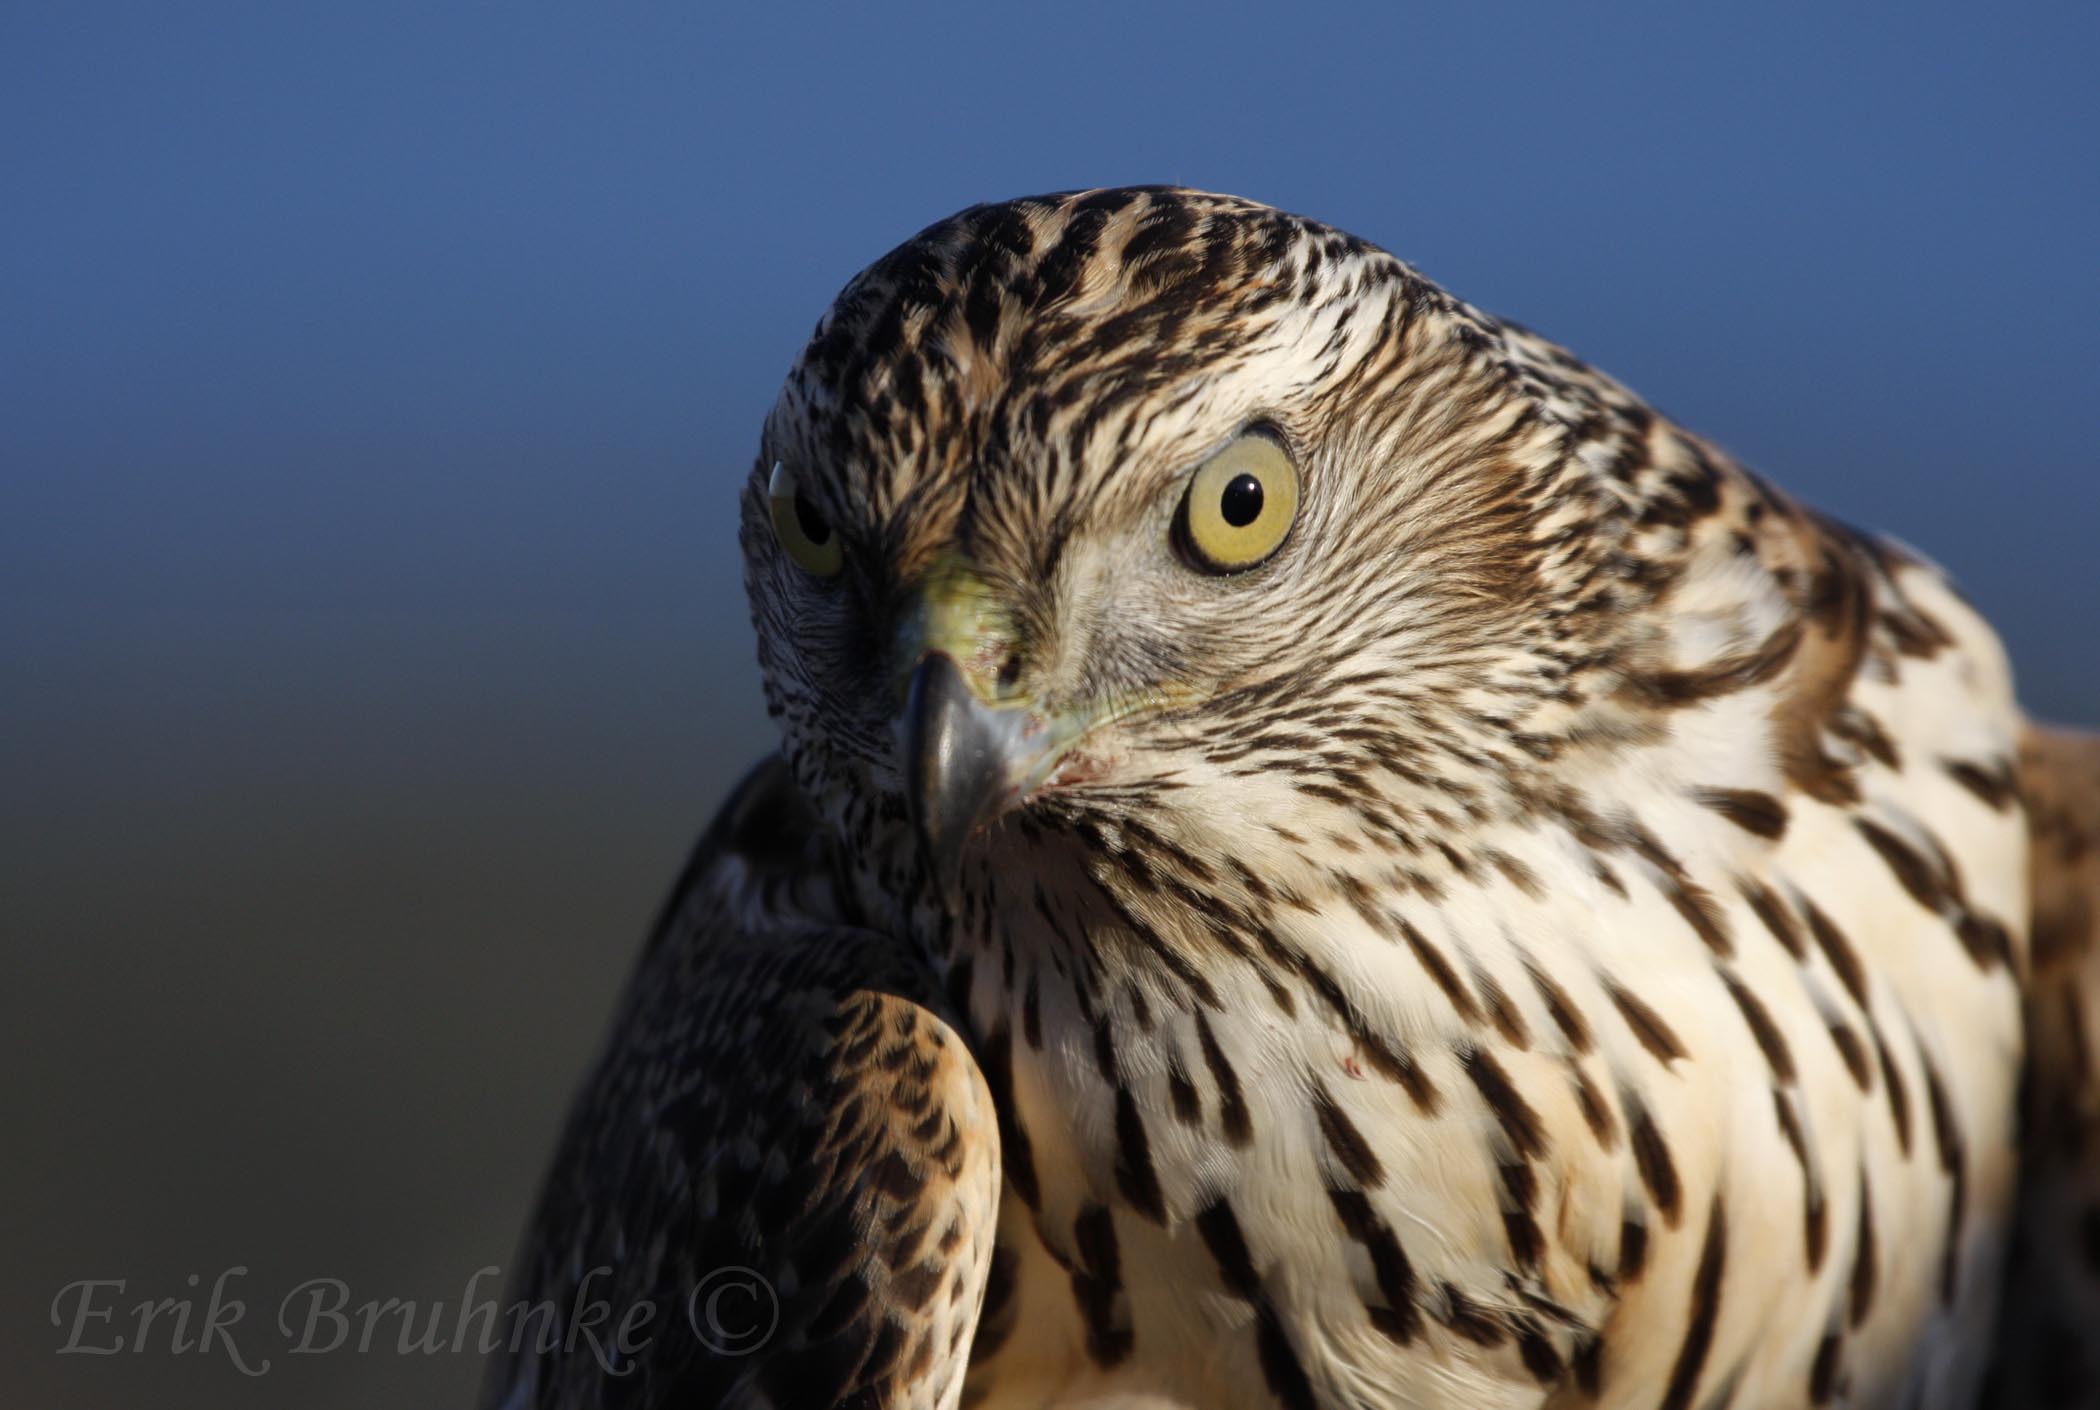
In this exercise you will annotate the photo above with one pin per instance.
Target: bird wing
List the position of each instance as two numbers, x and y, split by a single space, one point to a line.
2046 1353
786 1154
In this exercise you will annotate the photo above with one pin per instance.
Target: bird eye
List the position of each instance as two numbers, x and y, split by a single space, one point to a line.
800 526
1240 505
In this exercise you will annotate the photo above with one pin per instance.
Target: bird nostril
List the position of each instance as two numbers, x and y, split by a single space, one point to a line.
1009 671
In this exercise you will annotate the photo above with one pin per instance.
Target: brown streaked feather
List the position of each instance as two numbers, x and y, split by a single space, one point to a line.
2046 1352
782 1104
1832 589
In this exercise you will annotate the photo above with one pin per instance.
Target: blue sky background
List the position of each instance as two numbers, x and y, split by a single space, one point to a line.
375 380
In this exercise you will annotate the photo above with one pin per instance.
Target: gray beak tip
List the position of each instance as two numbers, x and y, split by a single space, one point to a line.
955 766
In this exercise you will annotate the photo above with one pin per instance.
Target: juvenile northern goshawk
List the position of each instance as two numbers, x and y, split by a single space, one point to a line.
1324 854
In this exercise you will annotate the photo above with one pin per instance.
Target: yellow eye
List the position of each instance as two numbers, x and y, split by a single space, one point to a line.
1240 505
800 526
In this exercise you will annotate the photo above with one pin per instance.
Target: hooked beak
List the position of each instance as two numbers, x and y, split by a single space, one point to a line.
973 744
975 740
959 758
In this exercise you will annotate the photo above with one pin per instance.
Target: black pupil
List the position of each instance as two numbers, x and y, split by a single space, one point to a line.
1241 502
813 526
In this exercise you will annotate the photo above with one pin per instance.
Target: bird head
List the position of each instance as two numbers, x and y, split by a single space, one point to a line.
1163 514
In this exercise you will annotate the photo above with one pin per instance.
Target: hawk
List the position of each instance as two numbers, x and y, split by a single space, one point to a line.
1324 855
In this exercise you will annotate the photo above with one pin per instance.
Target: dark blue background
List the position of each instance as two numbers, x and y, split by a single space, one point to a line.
375 380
